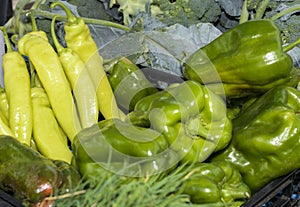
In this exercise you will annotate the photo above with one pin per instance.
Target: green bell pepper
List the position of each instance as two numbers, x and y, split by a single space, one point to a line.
128 82
115 146
246 60
265 142
31 177
215 184
190 116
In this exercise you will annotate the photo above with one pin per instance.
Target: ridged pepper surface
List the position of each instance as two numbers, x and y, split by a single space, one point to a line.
190 116
215 184
265 143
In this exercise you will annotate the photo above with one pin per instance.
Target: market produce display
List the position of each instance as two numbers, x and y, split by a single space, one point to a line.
81 123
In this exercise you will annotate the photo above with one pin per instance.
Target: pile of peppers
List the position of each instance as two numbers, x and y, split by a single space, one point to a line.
233 122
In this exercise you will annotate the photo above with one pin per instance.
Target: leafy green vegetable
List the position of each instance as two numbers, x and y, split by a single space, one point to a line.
185 12
188 12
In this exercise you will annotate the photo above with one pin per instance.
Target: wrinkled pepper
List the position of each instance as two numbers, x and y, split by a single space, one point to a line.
80 40
116 146
243 61
80 81
17 88
215 184
128 83
265 141
190 116
49 138
51 74
27 174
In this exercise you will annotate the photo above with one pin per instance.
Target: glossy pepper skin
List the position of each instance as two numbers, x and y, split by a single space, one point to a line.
215 184
190 116
25 172
243 61
265 142
80 81
113 143
49 138
30 176
51 74
17 88
80 40
128 83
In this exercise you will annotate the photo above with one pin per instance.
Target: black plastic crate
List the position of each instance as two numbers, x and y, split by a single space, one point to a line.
281 192
6 200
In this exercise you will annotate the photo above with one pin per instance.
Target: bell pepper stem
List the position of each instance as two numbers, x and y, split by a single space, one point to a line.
6 39
291 45
284 12
58 46
71 18
195 127
33 22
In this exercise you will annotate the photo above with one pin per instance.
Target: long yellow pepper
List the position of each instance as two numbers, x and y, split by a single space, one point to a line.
80 80
52 76
17 88
79 39
49 139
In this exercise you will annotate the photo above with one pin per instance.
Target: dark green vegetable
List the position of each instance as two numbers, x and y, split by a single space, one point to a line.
215 184
25 172
128 83
70 176
265 142
244 61
190 116
28 175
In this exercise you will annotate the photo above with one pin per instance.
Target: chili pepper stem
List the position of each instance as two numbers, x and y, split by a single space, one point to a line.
33 22
71 18
6 38
58 46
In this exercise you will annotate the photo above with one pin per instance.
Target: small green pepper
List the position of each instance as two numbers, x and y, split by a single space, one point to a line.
265 142
215 184
190 116
246 60
128 83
